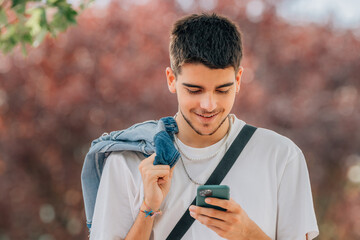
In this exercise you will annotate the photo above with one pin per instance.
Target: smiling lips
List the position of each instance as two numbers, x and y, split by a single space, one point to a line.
206 117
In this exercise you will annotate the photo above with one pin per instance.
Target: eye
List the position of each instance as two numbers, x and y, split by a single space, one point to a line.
223 91
193 91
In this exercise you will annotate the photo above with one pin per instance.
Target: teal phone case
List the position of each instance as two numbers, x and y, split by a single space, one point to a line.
216 191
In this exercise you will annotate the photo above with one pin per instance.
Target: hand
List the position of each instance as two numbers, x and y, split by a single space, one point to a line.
232 224
156 180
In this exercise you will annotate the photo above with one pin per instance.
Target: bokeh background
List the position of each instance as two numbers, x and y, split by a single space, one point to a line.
301 79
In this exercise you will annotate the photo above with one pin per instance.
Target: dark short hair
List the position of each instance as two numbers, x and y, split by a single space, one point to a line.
210 39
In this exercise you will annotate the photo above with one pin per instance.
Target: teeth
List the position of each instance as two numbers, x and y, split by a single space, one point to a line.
208 116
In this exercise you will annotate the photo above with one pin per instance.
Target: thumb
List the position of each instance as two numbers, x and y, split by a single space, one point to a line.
171 171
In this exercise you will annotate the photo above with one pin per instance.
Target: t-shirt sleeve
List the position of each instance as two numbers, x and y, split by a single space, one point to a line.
114 209
296 215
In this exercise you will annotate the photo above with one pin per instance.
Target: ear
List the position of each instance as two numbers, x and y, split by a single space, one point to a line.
238 78
171 80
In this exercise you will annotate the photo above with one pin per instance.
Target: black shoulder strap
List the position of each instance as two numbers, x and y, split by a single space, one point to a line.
216 177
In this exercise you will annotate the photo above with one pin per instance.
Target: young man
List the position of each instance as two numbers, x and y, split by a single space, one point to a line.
269 183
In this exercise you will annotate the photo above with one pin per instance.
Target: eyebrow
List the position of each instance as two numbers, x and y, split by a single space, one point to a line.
197 86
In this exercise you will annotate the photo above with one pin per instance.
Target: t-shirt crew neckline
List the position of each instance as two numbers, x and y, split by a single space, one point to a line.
198 154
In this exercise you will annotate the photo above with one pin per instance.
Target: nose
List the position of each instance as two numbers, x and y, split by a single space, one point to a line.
208 102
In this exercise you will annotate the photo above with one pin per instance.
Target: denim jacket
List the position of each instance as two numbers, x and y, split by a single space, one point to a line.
147 137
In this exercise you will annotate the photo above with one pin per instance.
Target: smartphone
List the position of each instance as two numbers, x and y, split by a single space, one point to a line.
215 191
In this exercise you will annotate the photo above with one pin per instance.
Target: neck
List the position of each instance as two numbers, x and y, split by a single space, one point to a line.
189 137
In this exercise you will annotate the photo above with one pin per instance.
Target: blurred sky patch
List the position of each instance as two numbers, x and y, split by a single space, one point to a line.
340 13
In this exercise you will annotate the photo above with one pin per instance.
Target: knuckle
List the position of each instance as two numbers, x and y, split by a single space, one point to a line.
234 219
164 167
160 167
199 218
147 173
207 221
212 212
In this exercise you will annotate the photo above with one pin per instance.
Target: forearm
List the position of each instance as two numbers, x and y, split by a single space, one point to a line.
157 180
255 232
142 227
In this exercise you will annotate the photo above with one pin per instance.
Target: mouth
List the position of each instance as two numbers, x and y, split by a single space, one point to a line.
207 117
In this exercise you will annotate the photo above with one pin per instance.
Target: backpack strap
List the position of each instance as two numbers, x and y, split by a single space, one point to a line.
216 177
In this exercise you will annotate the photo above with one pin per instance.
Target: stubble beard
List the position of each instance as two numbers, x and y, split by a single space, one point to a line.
197 131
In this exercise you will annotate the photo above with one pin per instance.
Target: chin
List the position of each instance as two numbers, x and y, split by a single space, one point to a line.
207 132
207 127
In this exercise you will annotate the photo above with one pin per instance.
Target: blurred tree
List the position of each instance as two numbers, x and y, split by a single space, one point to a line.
108 73
28 21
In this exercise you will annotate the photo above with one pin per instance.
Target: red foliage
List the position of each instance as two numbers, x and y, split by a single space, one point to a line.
109 72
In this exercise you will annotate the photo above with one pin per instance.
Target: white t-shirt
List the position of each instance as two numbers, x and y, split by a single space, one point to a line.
269 180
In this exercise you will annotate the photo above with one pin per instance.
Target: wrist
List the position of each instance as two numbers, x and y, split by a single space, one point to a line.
148 211
255 232
150 204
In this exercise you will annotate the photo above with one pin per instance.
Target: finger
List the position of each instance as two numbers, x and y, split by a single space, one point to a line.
161 167
149 165
209 212
161 181
150 158
208 221
159 173
147 161
229 205
171 172
154 175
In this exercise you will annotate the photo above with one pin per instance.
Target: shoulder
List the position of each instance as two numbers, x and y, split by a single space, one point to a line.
270 142
278 143
147 128
124 163
273 138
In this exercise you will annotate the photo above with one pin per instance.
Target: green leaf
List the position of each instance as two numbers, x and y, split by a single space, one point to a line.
36 21
43 20
55 2
11 30
3 17
31 24
39 37
27 38
59 22
85 4
17 2
20 8
70 15
9 40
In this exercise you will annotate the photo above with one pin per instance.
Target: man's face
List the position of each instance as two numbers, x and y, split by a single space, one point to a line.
205 96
